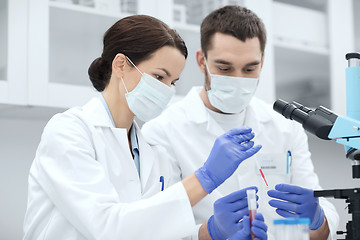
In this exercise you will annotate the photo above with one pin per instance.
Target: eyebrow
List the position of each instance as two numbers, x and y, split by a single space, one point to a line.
229 63
223 62
253 63
166 71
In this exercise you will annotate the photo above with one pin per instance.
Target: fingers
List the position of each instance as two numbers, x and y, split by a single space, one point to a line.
260 233
244 233
237 201
291 193
245 146
286 214
239 206
237 216
260 224
288 206
285 196
233 207
259 228
250 152
246 225
292 189
240 134
242 138
238 131
238 195
259 216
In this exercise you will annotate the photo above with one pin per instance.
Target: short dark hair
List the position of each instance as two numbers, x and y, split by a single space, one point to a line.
137 37
237 21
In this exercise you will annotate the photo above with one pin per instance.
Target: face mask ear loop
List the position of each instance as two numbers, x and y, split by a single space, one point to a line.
136 69
124 85
207 68
206 65
134 65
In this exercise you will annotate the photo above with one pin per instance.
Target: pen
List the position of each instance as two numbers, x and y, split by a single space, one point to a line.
162 182
262 174
288 159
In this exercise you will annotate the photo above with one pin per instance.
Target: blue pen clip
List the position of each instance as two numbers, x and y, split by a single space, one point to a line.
162 182
288 159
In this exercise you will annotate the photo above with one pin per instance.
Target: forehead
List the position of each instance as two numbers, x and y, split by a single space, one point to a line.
227 47
169 58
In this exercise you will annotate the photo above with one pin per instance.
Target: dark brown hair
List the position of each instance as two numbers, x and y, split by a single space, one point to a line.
137 37
237 21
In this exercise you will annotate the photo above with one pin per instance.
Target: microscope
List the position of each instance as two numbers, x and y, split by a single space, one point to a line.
345 130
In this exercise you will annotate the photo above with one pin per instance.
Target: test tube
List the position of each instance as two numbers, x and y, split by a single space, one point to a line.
251 198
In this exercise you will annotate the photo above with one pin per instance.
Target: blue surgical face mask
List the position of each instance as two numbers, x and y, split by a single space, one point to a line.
230 94
149 98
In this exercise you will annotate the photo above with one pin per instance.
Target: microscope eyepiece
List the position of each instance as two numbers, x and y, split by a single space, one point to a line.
352 55
353 59
290 110
318 122
280 105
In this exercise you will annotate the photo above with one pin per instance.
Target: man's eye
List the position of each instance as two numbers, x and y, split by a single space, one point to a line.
158 77
250 69
224 69
173 84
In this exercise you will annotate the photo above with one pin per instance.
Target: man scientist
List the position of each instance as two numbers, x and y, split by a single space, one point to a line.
233 41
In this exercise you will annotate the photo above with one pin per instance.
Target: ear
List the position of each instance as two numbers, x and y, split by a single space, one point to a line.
118 65
200 60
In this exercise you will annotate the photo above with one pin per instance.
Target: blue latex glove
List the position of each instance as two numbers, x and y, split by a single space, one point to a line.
259 229
299 202
228 211
229 150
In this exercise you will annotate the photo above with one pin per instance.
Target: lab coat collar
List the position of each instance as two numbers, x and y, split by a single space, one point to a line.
96 113
256 116
258 109
98 116
196 112
195 108
146 157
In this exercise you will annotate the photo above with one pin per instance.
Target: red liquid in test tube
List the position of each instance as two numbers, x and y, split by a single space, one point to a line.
251 198
252 217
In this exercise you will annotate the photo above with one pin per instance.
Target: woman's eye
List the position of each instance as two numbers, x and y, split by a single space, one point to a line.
173 84
158 77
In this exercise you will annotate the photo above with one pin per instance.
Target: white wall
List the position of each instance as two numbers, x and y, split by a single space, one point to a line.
19 138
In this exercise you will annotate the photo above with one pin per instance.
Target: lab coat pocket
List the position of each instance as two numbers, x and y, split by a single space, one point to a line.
155 185
275 166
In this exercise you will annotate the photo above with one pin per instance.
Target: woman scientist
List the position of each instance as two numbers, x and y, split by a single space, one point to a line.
95 177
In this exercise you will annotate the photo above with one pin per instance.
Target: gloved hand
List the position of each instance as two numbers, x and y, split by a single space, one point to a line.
299 202
228 211
259 229
229 150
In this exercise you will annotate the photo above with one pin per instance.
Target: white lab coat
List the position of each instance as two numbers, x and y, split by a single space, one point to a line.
188 132
83 184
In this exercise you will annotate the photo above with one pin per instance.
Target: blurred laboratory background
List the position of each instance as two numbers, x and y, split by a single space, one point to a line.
46 47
